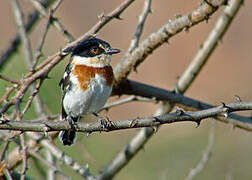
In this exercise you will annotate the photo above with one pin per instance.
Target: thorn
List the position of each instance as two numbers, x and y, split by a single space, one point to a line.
154 128
225 115
118 17
223 104
179 112
94 35
135 69
210 4
200 46
237 98
133 122
207 17
101 16
198 123
178 15
186 29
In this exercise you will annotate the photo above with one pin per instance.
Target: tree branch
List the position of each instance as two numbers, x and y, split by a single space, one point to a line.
142 18
206 154
179 116
142 137
45 67
12 48
162 35
206 49
139 89
44 12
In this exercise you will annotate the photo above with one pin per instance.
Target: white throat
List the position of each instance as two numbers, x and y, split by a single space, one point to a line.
91 61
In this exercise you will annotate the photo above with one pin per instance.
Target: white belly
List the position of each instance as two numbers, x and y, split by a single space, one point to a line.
78 103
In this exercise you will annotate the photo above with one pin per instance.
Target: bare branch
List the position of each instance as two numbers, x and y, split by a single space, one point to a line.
206 155
51 61
142 18
206 49
127 100
47 163
139 89
179 116
38 53
7 79
158 38
12 48
43 11
20 22
131 149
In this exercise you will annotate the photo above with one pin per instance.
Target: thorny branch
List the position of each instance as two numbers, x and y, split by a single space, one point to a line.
43 11
142 18
41 71
13 47
144 135
161 36
46 66
179 116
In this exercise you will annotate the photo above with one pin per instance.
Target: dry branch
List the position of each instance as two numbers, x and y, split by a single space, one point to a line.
161 36
178 116
142 137
13 47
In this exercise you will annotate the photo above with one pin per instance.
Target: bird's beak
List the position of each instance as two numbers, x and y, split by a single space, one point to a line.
112 51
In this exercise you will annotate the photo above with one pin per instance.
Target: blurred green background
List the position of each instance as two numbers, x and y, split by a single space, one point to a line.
176 148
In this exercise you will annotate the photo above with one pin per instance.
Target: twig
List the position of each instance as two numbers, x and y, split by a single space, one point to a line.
8 174
206 155
35 143
158 38
127 100
23 144
46 162
5 148
56 5
60 155
139 89
142 18
33 95
43 11
50 62
27 47
51 160
13 47
131 149
20 22
7 79
41 42
9 90
223 110
208 46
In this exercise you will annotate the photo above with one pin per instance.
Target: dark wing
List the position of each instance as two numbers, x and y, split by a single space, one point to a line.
65 85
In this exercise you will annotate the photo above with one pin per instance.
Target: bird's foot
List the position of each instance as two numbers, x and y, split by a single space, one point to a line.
104 121
72 122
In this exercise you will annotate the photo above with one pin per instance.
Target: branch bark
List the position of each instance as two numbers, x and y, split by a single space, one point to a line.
179 116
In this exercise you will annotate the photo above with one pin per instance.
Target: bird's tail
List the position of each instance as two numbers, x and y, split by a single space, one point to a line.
67 137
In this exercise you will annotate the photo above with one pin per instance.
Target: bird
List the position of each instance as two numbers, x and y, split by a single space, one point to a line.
87 83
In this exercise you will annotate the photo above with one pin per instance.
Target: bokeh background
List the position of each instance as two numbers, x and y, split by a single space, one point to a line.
176 148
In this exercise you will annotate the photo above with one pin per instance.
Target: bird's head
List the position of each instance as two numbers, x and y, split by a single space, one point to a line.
93 52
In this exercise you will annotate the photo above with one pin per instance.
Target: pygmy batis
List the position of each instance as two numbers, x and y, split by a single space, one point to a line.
87 83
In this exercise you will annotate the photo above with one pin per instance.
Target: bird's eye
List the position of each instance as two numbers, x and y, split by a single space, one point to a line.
94 50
